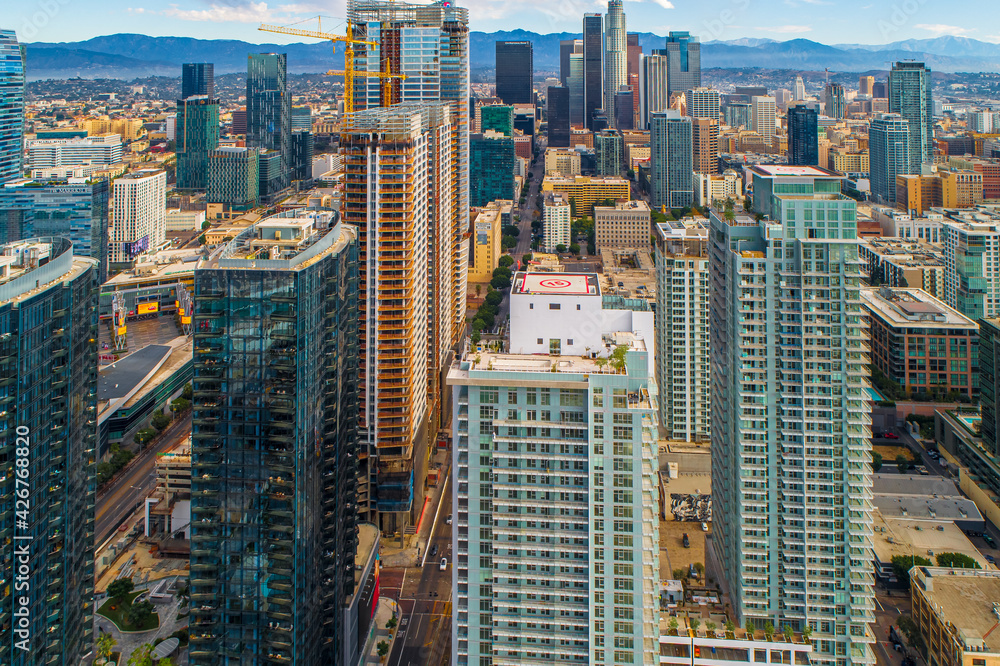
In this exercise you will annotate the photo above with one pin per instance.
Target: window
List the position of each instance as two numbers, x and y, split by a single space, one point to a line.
577 306
555 346
555 306
540 341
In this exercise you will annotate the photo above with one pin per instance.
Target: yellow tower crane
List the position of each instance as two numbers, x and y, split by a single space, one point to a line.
349 73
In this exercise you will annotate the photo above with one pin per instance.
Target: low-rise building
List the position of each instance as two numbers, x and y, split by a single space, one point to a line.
562 162
586 191
622 226
957 613
484 255
556 221
184 220
712 189
901 224
949 189
904 262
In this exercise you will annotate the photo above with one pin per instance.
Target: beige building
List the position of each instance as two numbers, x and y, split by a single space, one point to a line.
636 152
711 188
562 162
849 162
957 612
624 226
485 252
585 191
556 221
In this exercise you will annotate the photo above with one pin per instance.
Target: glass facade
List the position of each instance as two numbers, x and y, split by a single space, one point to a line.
910 96
233 177
609 149
197 137
683 52
273 520
11 106
889 150
593 67
558 116
197 79
803 136
671 160
492 169
514 71
48 398
269 109
497 117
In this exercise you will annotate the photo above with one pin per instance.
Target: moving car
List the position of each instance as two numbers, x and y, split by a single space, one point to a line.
704 527
434 550
444 563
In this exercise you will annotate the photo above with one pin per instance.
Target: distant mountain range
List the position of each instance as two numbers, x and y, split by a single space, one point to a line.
129 56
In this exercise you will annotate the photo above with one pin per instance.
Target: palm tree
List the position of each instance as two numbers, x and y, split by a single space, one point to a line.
105 645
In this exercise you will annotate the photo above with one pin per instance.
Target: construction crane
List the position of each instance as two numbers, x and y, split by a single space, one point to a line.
349 73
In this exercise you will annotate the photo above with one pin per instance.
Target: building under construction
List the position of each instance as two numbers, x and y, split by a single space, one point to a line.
402 191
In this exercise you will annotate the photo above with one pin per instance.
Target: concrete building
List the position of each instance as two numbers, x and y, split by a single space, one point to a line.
904 262
491 167
683 52
972 262
138 217
234 177
920 343
788 337
610 153
835 101
956 612
917 194
714 189
849 162
705 145
585 191
654 95
562 162
556 527
704 103
889 148
626 225
682 358
556 221
693 644
763 114
484 256
670 158
102 150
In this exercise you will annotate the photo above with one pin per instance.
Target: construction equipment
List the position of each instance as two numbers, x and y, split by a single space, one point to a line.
349 73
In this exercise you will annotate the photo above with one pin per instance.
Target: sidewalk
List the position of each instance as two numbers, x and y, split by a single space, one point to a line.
386 608
414 545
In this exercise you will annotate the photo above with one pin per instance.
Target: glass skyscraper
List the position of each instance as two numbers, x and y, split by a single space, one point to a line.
910 96
273 444
197 137
557 101
48 416
197 79
593 67
492 168
803 136
11 106
269 109
889 154
615 60
671 160
683 52
514 71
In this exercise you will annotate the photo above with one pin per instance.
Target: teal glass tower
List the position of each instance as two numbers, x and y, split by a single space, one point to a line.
910 96
48 417
269 109
492 168
197 137
11 106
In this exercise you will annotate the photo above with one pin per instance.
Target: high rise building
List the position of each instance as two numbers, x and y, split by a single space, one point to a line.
910 96
609 150
491 172
789 403
593 67
269 109
303 148
270 176
239 122
615 56
633 55
497 118
197 79
514 72
559 515
705 145
971 277
624 109
48 333
557 221
197 137
799 94
653 90
557 112
274 430
880 90
567 47
138 219
97 151
670 159
403 173
836 102
704 103
763 112
682 282
889 154
301 119
683 52
980 121
12 81
803 136
233 177
866 86
576 87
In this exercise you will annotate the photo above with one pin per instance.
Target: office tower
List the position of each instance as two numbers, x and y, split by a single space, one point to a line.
233 177
910 97
197 137
270 176
790 426
615 56
402 170
836 103
670 160
567 47
683 53
803 136
269 109
888 154
301 119
75 210
705 145
48 334
763 112
197 79
800 90
561 523
138 219
704 103
971 278
738 114
514 72
12 82
239 122
576 90
609 150
491 172
747 93
92 150
985 462
979 121
557 218
524 120
274 443
477 104
624 109
682 358
497 118
783 97
557 100
653 89
633 53
303 147
880 90
866 86
623 226
593 53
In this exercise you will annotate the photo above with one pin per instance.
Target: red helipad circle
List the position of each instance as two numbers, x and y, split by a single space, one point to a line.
555 284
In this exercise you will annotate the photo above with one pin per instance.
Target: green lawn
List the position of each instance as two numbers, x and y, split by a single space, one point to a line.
115 611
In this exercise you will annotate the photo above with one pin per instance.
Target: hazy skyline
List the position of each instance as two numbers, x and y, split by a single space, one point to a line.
825 21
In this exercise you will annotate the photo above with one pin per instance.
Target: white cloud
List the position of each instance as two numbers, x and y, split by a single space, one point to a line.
784 29
796 3
237 12
938 29
665 4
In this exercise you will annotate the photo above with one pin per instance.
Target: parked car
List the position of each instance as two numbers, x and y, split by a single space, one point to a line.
692 572
991 559
989 541
890 435
447 520
704 527
686 540
434 550
444 563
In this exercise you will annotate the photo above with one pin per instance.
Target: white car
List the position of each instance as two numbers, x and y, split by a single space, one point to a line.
704 527
444 563
447 520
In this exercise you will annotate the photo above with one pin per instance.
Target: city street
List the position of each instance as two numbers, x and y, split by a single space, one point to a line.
533 187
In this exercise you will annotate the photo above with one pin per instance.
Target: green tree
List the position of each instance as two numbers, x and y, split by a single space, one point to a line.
902 463
956 561
144 437
494 298
574 248
730 626
383 648
508 242
672 624
526 258
876 461
138 613
141 656
160 420
475 337
560 248
391 624
710 627
768 629
788 632
105 645
749 628
188 392
121 588
180 405
700 568
205 225
901 565
506 261
510 230
694 623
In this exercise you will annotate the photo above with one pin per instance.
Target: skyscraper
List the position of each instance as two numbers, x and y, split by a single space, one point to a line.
791 438
888 154
624 109
197 137
615 57
653 89
683 52
634 57
12 57
705 145
138 223
803 136
799 93
836 102
910 96
558 113
566 48
576 89
763 112
491 172
738 114
593 53
269 109
497 117
233 177
197 79
274 430
866 85
670 160
609 149
402 170
514 72
303 147
704 103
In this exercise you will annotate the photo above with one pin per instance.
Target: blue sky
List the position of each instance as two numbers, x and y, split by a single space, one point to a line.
826 21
